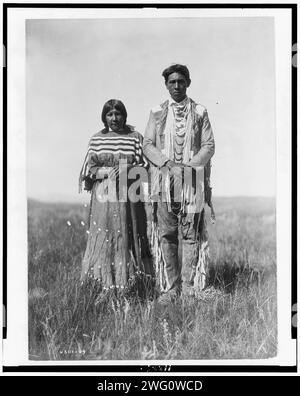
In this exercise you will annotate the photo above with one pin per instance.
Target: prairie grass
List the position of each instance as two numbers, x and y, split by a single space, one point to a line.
68 322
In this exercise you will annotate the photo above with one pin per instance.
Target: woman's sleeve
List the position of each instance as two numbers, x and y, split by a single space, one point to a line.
91 167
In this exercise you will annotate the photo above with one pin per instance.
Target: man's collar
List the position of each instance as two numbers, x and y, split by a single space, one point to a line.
173 102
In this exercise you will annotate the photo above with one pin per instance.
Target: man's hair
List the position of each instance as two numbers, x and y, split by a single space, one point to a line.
113 104
176 69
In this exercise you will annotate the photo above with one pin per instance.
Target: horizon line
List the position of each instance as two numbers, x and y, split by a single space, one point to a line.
77 201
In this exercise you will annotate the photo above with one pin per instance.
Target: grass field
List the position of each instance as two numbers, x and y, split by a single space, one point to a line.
239 321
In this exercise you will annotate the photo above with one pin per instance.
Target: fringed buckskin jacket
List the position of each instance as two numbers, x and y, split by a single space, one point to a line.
202 141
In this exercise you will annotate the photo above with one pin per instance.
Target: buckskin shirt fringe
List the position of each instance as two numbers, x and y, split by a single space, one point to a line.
180 132
188 119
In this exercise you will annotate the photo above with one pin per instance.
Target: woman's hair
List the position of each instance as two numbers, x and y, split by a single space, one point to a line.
111 105
176 69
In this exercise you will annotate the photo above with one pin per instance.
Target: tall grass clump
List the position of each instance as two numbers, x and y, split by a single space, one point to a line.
235 318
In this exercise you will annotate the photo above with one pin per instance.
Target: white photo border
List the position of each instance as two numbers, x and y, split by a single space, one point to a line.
15 347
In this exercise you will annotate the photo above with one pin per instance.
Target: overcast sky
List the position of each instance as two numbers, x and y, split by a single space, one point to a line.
74 66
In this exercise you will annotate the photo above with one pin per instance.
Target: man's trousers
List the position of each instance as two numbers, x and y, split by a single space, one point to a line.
180 267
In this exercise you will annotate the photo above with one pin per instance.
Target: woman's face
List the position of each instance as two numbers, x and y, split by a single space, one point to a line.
115 120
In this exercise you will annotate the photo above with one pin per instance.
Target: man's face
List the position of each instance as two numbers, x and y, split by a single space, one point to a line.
177 86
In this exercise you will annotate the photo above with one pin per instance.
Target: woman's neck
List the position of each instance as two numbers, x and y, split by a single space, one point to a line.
122 131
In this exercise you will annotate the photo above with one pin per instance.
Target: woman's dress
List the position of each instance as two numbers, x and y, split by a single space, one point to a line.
117 253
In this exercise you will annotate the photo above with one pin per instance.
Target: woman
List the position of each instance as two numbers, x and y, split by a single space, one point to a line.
117 254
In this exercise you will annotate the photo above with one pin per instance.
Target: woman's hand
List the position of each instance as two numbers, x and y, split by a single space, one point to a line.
102 173
112 172
117 171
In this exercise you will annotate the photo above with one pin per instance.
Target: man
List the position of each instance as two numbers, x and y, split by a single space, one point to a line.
179 135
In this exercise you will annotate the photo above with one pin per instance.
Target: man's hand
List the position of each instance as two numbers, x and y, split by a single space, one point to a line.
193 165
175 169
177 174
